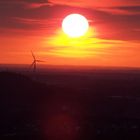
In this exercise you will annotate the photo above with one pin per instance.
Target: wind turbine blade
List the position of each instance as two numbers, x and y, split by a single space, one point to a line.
39 61
33 55
32 64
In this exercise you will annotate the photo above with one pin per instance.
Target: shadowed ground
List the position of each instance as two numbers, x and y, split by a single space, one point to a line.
70 105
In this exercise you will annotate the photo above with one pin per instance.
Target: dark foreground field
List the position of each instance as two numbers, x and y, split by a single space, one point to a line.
70 105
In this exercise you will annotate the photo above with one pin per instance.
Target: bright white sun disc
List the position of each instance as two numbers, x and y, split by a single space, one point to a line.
75 25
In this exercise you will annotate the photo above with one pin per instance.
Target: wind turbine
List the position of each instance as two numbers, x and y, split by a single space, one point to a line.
35 61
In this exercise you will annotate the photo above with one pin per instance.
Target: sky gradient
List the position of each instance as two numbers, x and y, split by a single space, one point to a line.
112 40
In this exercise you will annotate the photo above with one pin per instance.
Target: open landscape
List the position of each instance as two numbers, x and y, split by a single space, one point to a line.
70 104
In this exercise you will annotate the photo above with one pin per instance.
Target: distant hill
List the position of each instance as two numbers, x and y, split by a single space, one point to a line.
21 100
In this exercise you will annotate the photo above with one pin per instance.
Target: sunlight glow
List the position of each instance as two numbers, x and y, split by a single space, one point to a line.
86 46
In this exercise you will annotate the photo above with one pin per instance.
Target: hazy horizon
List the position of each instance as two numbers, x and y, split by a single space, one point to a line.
40 67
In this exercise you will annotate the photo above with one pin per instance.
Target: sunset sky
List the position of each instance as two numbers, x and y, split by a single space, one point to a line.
113 38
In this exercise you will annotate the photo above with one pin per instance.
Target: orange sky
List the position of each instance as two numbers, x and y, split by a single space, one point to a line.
112 40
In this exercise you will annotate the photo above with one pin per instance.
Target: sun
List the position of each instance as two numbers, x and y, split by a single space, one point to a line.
75 25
